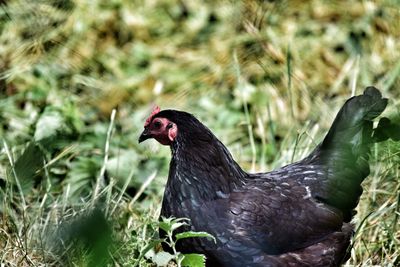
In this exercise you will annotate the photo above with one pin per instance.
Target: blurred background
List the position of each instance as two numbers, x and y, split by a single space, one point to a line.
78 79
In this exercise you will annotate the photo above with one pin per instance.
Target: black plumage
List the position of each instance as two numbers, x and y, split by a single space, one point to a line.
298 215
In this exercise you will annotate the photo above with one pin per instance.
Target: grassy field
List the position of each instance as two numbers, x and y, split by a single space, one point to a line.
78 79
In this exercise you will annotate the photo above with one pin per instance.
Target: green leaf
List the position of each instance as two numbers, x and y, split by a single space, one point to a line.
28 164
194 260
166 226
176 225
170 224
88 238
194 234
83 170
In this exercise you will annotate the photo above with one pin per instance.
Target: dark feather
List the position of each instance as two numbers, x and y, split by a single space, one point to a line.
297 215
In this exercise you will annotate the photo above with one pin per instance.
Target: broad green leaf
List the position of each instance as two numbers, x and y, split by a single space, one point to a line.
28 164
194 260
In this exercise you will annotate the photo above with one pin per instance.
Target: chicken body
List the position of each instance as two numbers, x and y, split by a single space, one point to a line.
298 215
271 219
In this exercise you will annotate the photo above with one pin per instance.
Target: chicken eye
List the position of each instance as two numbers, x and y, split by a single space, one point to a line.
157 124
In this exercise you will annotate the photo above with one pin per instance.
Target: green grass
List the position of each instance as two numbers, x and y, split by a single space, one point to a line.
267 78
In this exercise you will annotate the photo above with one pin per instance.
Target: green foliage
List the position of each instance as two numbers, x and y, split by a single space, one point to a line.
85 241
193 234
169 225
194 260
27 165
266 76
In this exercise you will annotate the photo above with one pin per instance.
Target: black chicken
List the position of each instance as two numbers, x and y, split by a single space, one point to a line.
298 215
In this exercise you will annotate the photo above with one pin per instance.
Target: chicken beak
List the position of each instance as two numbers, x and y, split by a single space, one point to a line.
144 136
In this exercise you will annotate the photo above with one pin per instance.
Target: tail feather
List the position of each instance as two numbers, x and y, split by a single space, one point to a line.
345 150
353 124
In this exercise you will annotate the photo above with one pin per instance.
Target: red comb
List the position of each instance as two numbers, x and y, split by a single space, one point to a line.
156 109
